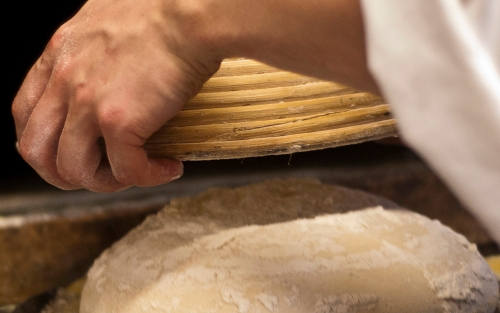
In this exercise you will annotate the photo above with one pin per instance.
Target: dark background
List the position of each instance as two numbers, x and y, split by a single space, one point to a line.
31 27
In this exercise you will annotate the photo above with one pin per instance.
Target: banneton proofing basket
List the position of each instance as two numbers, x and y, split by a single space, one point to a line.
250 109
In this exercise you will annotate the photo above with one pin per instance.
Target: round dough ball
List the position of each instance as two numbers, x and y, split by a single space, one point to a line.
372 260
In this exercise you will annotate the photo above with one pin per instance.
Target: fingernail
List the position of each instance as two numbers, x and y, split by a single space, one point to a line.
176 177
177 171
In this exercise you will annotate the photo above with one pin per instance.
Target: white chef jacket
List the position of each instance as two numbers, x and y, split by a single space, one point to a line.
437 63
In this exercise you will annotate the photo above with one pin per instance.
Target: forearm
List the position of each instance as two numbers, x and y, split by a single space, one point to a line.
321 38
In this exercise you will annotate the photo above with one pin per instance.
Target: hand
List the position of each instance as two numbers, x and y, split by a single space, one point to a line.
117 71
121 68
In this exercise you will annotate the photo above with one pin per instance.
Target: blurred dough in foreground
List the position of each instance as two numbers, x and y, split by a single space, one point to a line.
369 260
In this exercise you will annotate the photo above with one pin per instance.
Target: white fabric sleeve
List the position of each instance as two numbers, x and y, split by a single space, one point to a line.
437 64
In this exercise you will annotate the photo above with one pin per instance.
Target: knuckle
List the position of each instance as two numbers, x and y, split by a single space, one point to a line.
84 93
44 163
58 39
108 114
61 73
22 106
59 53
32 155
69 174
75 174
18 110
113 120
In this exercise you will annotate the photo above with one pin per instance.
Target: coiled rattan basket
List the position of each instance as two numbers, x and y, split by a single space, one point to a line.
251 109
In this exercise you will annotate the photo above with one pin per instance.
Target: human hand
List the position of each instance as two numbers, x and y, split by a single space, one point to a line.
118 70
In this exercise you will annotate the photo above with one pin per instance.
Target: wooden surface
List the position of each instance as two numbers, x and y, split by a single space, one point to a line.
52 250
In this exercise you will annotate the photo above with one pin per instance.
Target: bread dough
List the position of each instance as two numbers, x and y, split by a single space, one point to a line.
369 260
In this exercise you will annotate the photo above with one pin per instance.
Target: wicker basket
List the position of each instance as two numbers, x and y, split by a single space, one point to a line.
251 109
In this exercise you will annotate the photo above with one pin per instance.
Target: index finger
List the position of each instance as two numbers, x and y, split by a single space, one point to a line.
126 155
131 165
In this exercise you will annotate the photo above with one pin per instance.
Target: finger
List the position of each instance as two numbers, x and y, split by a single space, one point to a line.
80 159
127 120
40 139
127 157
30 92
131 165
104 179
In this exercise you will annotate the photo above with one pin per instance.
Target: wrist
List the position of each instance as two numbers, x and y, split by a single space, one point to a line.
201 28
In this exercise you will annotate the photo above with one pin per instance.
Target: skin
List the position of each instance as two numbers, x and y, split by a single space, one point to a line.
119 69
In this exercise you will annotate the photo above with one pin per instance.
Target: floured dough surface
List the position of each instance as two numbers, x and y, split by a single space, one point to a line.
367 260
